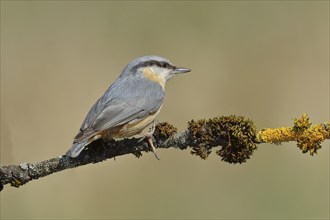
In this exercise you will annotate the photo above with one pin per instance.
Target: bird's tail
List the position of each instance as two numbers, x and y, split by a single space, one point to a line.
76 148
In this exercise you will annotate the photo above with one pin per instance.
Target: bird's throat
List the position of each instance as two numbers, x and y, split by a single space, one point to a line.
158 78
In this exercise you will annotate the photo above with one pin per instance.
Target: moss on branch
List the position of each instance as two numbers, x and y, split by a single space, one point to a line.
236 138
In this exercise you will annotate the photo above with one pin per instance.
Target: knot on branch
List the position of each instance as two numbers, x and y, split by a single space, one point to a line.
235 134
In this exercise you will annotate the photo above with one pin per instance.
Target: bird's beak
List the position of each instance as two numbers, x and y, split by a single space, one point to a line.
179 70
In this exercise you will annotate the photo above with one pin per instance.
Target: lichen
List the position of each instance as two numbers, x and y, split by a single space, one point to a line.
310 140
235 134
301 124
275 135
309 137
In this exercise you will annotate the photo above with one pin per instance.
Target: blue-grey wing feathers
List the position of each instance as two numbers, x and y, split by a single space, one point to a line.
76 148
125 100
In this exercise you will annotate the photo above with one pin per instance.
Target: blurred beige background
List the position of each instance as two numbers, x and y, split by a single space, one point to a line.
265 60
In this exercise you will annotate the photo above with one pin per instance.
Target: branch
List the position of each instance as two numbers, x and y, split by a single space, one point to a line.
236 136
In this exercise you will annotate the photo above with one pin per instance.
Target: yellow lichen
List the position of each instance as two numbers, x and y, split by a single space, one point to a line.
301 124
275 135
308 136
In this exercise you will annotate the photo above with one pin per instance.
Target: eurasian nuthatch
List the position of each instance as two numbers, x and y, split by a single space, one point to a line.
129 105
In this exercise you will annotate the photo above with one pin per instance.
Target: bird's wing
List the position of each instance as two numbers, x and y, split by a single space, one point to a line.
120 110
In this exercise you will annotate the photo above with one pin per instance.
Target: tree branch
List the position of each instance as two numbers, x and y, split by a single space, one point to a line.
236 136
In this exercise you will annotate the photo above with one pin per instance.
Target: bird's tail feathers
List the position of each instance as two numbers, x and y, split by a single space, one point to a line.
76 148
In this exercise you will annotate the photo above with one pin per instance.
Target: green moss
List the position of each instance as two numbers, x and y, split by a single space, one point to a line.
164 130
16 183
235 134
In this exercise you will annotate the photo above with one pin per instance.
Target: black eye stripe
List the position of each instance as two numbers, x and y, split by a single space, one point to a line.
162 64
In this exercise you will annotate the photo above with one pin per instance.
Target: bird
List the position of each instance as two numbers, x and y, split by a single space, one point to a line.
129 105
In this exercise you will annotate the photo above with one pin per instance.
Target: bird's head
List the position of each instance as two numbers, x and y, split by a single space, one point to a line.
154 68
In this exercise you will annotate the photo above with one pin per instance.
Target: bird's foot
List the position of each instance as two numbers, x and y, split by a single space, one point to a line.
149 137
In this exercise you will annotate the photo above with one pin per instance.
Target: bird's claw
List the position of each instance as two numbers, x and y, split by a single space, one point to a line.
149 137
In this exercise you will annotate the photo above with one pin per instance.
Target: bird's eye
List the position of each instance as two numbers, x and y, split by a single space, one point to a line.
164 65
